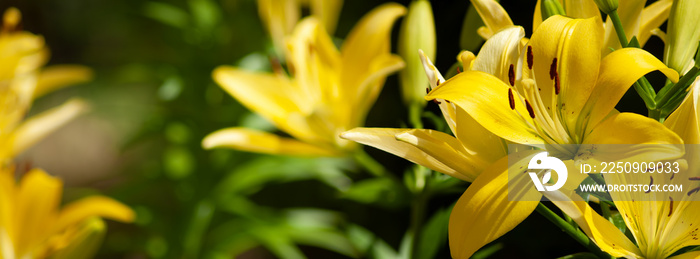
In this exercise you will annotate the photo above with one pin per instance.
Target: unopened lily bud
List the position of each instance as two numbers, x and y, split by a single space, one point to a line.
11 18
551 8
607 6
417 33
682 35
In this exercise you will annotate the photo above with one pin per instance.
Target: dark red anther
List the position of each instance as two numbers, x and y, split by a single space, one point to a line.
529 57
529 109
553 69
511 75
511 99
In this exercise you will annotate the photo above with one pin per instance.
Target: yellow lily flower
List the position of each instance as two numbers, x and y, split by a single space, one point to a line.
559 91
484 212
22 79
33 226
330 91
637 20
660 228
281 16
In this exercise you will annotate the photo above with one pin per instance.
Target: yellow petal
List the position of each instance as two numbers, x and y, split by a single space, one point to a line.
499 52
385 139
685 120
484 212
327 11
477 140
93 206
631 128
43 124
618 72
601 231
262 142
582 9
280 16
494 16
485 98
37 206
271 96
446 149
575 44
690 255
58 76
366 59
82 242
653 16
372 84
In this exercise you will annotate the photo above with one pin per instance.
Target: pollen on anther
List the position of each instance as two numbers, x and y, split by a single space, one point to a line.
691 192
511 99
529 57
437 83
529 109
553 69
670 209
511 75
556 84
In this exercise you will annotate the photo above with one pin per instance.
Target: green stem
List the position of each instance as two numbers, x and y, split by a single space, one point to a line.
417 217
682 83
618 28
570 230
414 115
372 166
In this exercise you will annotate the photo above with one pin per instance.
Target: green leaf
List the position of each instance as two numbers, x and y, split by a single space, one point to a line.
580 256
434 234
369 245
379 191
166 14
201 217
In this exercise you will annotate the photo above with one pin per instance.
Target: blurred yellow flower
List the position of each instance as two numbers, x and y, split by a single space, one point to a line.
281 16
33 226
22 79
329 91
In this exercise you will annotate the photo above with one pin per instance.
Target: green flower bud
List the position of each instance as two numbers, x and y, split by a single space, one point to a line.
417 32
551 8
607 6
682 35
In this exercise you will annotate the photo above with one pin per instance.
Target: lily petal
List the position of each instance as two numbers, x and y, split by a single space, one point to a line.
37 206
58 76
631 128
572 48
367 41
273 97
41 125
327 11
446 149
485 98
494 16
691 255
618 71
484 212
385 139
653 16
262 142
601 231
685 120
499 52
92 206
